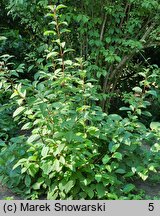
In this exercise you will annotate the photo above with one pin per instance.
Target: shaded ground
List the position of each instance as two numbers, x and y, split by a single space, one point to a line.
152 190
5 192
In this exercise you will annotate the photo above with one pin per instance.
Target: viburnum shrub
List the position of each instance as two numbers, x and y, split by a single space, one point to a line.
74 150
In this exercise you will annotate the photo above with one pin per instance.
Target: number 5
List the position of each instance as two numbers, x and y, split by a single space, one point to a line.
151 206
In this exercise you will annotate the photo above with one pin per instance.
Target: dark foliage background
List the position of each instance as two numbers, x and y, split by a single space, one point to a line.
79 97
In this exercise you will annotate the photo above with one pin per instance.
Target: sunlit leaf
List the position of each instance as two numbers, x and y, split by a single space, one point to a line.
18 111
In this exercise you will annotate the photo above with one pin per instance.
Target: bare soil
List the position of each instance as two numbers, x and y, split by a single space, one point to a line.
5 192
152 190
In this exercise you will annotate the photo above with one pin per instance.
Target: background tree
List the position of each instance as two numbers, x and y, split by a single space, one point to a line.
80 84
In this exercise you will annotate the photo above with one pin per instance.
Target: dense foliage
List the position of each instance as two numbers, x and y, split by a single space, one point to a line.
79 97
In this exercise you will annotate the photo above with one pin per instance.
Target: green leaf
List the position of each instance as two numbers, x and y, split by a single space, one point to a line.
27 181
115 117
68 62
59 149
44 151
60 7
137 89
108 39
2 143
101 190
62 185
113 147
142 74
21 161
138 111
57 105
64 31
47 33
52 54
33 138
69 186
152 92
146 113
83 195
110 59
90 192
118 58
30 68
155 125
2 38
56 165
128 175
52 196
63 45
120 171
68 50
33 169
143 176
37 185
128 188
27 126
53 23
51 7
47 167
63 23
92 130
152 167
18 111
105 159
117 155
156 147
62 160
124 109
86 181
98 177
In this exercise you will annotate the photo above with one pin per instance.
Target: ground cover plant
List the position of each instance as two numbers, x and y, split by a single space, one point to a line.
79 98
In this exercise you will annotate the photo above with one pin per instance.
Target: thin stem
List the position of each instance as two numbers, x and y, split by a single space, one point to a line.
59 37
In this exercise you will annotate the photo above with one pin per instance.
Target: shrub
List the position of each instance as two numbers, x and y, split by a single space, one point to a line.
71 148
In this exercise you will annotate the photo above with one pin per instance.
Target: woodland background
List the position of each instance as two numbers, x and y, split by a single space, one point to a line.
79 97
